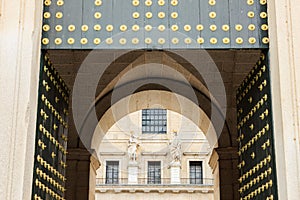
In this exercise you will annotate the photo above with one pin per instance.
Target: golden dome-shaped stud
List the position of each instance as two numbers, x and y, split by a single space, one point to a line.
225 27
47 2
148 2
252 40
135 15
265 40
174 15
148 15
71 40
109 28
109 41
84 28
161 28
135 2
174 2
97 27
263 2
135 27
187 40
148 40
58 41
238 27
226 40
250 2
161 41
45 41
47 15
239 40
212 2
199 27
251 27
174 28
263 15
200 40
97 15
58 28
251 14
175 40
60 2
59 15
264 27
161 2
123 28
71 28
98 2
84 41
187 27
213 27
46 27
122 41
148 27
135 40
213 40
212 15
161 15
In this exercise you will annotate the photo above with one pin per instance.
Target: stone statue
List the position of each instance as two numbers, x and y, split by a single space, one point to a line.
133 145
175 148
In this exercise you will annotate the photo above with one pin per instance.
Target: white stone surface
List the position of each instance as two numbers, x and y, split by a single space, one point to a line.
133 174
175 174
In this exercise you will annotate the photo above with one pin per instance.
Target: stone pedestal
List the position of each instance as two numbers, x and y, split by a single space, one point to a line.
175 172
133 173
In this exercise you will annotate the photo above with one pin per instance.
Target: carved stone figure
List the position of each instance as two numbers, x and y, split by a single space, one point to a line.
175 148
133 145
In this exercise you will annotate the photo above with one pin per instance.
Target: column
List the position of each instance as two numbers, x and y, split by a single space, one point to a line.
20 33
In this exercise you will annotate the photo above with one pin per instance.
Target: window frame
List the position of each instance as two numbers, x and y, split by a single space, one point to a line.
118 172
189 172
155 121
160 181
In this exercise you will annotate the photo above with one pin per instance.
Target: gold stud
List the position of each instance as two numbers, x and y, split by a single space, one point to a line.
45 41
265 40
148 2
58 28
59 15
187 28
161 15
225 27
250 2
71 41
148 40
251 14
175 40
135 27
46 27
148 27
212 15
212 2
135 3
47 2
47 15
135 40
135 15
57 41
161 28
239 40
97 27
109 28
264 27
123 28
263 15
187 40
226 40
200 40
148 15
199 27
84 28
263 2
174 2
98 2
213 40
174 28
161 41
252 40
161 2
71 28
60 2
213 27
251 27
97 15
174 15
84 41
238 27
